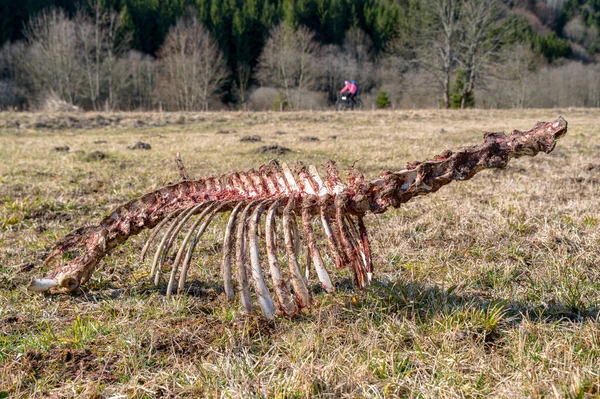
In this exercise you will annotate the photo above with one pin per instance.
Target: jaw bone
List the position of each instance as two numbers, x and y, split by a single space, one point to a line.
41 285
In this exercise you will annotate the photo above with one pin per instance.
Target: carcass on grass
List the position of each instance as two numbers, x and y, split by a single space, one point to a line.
275 193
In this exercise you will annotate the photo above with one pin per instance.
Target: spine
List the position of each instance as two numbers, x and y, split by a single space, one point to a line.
421 178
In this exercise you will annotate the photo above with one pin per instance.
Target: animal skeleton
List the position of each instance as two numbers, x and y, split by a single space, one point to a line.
276 191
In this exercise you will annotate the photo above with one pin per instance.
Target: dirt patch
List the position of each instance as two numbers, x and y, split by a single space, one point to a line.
309 138
184 338
70 363
100 142
226 132
273 149
15 325
96 156
140 146
250 139
197 337
46 215
279 133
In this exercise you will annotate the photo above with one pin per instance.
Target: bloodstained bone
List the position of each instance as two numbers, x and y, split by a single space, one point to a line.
339 208
181 167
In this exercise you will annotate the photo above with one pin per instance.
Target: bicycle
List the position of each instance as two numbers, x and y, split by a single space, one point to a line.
344 103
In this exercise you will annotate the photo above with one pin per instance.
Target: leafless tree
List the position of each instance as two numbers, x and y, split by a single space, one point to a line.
519 66
481 40
241 82
97 35
13 58
576 30
556 5
192 67
288 61
510 83
138 74
353 61
334 65
392 74
439 36
54 59
13 84
358 45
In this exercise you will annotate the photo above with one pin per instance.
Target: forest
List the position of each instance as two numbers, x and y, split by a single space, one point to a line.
296 54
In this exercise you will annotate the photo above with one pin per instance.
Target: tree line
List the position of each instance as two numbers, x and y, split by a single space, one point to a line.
289 54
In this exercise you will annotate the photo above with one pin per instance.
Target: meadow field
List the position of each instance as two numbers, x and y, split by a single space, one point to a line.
489 288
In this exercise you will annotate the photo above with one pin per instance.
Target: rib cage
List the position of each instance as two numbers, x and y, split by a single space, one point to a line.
300 200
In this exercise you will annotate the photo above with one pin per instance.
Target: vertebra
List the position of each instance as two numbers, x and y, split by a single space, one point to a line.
277 192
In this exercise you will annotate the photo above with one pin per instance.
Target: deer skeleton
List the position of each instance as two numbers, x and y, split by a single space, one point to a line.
276 192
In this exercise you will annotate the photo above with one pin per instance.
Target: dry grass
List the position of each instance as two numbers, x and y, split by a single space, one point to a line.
488 288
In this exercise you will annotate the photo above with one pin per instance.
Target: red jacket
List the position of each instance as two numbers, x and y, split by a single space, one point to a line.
350 87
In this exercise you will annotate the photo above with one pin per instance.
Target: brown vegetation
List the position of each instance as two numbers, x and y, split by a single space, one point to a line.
489 288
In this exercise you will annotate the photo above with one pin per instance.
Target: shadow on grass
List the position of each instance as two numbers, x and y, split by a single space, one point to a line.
427 300
408 298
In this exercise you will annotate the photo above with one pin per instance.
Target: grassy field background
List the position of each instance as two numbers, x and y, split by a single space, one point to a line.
488 288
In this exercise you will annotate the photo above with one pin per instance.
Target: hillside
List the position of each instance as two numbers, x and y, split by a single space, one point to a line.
576 21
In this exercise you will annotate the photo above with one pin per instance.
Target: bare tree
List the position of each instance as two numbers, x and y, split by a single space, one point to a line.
241 82
13 84
89 37
556 5
138 79
519 66
97 34
333 64
288 61
358 45
13 57
480 42
510 83
54 59
192 67
353 61
439 40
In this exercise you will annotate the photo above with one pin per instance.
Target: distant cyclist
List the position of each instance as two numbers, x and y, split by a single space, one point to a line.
351 88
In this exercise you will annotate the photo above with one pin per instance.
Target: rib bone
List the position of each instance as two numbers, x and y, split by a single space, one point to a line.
264 299
227 247
188 257
240 259
313 250
172 235
284 297
292 249
209 207
164 241
156 230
